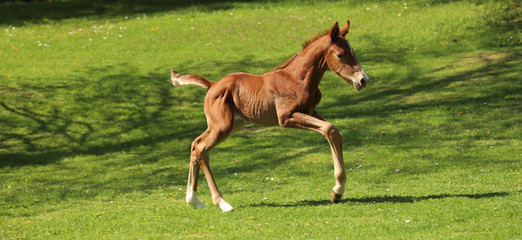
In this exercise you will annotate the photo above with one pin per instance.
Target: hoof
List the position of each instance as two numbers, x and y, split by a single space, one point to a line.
192 200
225 207
336 197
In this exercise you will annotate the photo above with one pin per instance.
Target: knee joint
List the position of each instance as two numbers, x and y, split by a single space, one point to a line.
332 132
198 149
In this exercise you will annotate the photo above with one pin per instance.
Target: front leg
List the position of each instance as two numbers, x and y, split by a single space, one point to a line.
331 133
316 114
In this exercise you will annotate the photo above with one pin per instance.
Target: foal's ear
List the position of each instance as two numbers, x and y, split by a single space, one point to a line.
344 30
334 33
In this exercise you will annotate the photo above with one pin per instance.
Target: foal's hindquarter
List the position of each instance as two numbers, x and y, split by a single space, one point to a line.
286 96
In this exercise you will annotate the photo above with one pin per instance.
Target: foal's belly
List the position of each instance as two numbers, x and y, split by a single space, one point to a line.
261 113
254 101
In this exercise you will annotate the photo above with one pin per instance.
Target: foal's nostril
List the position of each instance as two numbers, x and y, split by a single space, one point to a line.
363 82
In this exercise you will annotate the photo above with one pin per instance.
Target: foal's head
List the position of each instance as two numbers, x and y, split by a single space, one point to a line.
341 58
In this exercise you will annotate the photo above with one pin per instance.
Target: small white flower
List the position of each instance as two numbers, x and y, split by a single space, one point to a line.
398 15
407 220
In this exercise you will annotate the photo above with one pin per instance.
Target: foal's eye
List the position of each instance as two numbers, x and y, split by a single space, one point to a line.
340 55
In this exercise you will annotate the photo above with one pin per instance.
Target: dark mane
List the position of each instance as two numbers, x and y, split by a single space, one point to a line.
305 44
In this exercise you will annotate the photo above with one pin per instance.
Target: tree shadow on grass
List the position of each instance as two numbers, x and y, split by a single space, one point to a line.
383 199
92 112
114 122
97 117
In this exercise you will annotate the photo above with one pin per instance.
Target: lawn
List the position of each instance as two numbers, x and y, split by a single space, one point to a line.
95 140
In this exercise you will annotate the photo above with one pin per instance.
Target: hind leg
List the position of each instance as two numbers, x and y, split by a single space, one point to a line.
200 158
220 121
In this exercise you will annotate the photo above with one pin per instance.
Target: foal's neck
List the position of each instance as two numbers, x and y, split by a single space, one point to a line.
310 64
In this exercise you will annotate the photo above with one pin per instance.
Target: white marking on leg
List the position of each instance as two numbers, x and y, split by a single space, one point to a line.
192 198
225 207
338 188
340 180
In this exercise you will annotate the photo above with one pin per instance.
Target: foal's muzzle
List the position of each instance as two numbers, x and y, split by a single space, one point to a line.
363 82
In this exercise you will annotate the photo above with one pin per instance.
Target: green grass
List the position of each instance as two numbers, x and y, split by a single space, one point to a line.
94 140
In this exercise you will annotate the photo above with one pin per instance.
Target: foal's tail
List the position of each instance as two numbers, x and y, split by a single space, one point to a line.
179 80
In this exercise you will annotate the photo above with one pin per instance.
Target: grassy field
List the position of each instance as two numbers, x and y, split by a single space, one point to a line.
94 139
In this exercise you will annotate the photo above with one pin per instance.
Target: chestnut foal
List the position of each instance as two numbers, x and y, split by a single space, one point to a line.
286 96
